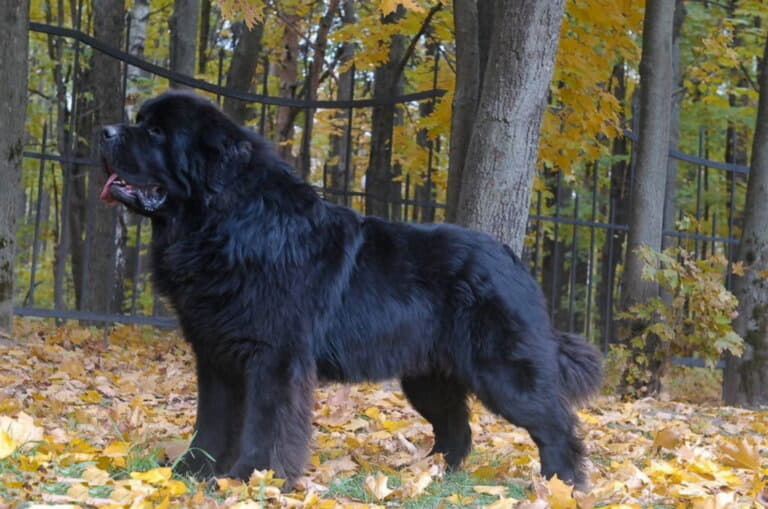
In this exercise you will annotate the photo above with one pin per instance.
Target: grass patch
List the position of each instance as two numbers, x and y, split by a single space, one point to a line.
350 487
101 491
141 459
457 483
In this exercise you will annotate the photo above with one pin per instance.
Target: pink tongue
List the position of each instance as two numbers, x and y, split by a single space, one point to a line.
105 190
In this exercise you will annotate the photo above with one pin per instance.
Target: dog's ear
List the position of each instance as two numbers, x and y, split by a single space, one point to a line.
224 153
224 170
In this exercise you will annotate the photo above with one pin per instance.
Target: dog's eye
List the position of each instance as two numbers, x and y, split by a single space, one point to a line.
155 132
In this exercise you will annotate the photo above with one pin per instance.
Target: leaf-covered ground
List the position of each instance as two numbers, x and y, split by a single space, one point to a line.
83 424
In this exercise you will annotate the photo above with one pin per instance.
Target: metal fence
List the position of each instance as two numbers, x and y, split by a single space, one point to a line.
574 245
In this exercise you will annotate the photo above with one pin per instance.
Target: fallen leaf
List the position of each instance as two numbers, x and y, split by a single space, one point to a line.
736 452
560 494
154 476
377 486
667 438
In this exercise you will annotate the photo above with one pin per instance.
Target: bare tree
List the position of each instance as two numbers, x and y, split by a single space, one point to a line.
242 68
205 32
183 24
339 163
465 96
473 23
286 69
647 193
383 194
138 79
382 190
14 17
746 378
501 156
312 82
97 235
670 193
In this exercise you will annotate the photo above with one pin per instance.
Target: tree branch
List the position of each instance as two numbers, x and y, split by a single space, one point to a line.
412 46
749 77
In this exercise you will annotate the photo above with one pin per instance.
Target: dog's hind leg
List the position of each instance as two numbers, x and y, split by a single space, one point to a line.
530 399
443 402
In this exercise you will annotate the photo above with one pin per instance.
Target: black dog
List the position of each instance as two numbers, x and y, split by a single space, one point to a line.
275 288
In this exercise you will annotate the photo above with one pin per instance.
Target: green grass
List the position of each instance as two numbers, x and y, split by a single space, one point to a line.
459 483
351 487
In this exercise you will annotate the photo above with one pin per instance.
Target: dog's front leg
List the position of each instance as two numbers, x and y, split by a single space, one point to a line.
219 416
277 419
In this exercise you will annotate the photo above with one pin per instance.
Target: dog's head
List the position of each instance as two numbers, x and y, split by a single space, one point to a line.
180 150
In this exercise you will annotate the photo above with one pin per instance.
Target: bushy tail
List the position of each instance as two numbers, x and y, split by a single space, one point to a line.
581 368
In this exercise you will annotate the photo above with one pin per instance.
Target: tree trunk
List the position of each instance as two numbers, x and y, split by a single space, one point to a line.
338 180
554 275
14 17
646 217
242 68
423 191
473 23
183 24
138 80
465 96
501 156
382 191
670 192
312 83
101 256
287 72
746 378
205 31
618 213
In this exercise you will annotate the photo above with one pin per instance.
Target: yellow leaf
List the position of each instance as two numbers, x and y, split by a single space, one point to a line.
415 487
154 476
497 491
21 428
560 494
503 503
486 472
667 438
265 478
738 453
457 498
393 426
174 488
7 445
91 397
116 449
95 476
78 491
377 486
388 6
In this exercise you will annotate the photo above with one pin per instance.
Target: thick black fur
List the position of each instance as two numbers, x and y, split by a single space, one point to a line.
276 289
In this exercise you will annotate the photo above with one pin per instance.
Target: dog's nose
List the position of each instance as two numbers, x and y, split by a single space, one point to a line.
108 132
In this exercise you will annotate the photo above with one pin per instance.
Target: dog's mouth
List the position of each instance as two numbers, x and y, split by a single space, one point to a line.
143 198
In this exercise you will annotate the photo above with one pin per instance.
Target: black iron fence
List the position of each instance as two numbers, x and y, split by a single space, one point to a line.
575 242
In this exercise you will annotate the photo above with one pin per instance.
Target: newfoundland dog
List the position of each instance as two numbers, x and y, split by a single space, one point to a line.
276 289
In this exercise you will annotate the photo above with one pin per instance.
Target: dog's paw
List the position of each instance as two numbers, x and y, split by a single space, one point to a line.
195 465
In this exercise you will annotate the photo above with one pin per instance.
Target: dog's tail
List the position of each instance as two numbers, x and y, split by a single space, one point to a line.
581 368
